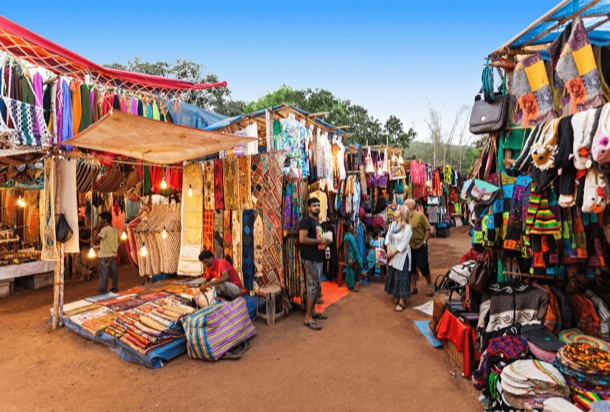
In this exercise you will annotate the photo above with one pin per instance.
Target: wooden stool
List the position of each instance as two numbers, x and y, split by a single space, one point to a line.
269 294
340 275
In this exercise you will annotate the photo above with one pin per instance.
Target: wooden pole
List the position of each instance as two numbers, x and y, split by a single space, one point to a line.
58 276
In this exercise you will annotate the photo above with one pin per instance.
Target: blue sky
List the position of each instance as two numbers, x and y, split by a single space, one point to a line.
392 57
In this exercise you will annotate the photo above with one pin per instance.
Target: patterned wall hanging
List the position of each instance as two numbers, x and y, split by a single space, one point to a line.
192 224
208 185
244 177
208 230
231 187
237 246
218 234
247 239
219 203
228 235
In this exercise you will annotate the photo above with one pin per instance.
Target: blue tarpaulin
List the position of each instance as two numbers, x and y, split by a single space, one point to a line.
192 116
594 13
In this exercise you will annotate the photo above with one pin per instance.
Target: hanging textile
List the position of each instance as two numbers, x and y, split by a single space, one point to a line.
208 230
245 177
530 85
192 209
219 203
86 115
228 235
208 187
219 235
28 123
259 245
231 187
247 241
257 182
68 201
291 199
77 108
252 131
47 205
110 181
236 226
295 279
86 176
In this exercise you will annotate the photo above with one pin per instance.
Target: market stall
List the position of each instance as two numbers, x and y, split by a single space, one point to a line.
533 294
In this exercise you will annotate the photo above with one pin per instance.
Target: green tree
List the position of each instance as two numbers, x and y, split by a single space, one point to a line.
217 99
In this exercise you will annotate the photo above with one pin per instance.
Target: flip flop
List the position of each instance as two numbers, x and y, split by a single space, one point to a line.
399 308
320 316
312 325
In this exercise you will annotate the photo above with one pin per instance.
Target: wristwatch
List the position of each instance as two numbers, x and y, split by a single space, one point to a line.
425 243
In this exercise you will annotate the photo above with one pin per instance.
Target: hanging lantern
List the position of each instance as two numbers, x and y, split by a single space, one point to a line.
163 184
190 192
21 202
164 234
143 250
91 253
124 235
400 159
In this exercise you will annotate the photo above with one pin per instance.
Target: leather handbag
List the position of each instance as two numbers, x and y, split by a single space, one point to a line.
489 117
63 231
482 192
479 277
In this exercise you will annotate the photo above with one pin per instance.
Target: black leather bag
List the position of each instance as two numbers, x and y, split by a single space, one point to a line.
63 231
489 117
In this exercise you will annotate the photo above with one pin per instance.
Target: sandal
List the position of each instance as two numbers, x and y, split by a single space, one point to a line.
321 316
312 325
399 308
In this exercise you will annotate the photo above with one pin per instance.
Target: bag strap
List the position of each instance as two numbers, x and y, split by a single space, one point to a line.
487 78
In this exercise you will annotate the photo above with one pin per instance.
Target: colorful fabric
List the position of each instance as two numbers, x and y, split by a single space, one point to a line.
576 67
86 176
192 224
585 367
291 200
244 181
208 185
231 186
247 238
208 230
530 85
218 234
28 123
259 245
219 203
236 226
110 181
228 235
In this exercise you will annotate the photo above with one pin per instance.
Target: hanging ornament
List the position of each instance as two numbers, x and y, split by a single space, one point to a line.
21 202
143 250
163 184
124 235
91 253
190 192
164 233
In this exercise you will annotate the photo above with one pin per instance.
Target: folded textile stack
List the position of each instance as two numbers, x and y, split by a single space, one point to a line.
585 367
500 350
94 319
590 400
559 405
152 324
526 384
576 336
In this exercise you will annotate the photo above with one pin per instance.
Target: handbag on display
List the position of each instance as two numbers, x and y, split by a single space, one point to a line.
489 117
369 167
479 278
397 172
482 192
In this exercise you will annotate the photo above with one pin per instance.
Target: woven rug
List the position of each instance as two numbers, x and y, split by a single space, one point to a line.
247 249
208 185
244 180
192 224
208 230
231 188
228 235
236 235
219 202
47 205
218 234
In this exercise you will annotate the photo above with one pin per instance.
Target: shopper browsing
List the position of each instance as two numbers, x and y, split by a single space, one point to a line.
398 250
419 246
108 239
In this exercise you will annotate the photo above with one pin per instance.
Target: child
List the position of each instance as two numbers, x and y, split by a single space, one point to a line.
376 242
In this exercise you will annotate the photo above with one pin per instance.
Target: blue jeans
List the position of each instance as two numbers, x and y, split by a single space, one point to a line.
105 266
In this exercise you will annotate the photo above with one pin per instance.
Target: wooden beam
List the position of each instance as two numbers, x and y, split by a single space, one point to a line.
317 114
600 23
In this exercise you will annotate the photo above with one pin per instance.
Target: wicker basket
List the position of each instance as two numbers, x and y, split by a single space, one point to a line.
457 357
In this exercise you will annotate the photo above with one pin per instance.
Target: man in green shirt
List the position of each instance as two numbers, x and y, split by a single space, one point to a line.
108 239
419 246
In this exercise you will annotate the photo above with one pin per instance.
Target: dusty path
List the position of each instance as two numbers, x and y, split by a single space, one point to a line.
367 358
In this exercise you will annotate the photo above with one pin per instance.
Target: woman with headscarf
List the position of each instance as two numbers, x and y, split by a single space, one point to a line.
398 283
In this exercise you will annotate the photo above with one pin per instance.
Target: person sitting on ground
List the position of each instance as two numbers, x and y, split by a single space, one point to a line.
397 242
84 241
419 247
312 243
108 239
353 260
221 275
372 268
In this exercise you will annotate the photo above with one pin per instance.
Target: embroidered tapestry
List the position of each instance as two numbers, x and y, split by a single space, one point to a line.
192 224
231 187
219 203
237 247
245 177
208 185
218 234
247 239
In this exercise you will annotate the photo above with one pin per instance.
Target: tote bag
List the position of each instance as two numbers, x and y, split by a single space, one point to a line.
213 331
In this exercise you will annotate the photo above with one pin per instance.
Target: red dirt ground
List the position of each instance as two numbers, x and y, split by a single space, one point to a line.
367 358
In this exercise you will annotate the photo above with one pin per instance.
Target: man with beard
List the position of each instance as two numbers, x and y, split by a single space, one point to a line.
312 245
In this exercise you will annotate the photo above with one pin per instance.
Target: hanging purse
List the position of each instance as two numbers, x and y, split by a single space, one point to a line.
482 192
490 111
479 278
369 167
